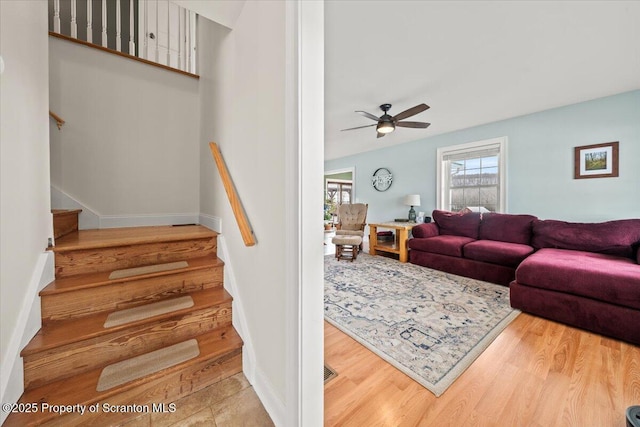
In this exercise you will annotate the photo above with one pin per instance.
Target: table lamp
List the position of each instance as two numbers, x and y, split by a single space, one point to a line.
412 200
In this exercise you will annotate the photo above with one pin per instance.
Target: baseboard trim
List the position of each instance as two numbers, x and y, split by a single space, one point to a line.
212 222
272 404
116 221
28 324
89 218
239 316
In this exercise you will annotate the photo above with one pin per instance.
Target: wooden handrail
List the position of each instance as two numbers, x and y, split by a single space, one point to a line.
236 206
57 118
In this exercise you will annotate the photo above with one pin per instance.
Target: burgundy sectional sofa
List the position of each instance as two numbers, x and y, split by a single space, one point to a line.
488 248
583 274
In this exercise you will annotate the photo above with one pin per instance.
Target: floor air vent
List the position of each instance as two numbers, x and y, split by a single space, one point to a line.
329 374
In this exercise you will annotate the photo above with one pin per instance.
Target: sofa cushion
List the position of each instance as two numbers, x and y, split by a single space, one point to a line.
425 230
611 237
602 277
506 228
503 253
457 224
444 245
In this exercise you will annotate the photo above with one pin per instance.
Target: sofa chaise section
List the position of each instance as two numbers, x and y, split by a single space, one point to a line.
584 275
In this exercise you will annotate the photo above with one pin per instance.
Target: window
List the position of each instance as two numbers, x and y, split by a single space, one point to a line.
339 192
473 176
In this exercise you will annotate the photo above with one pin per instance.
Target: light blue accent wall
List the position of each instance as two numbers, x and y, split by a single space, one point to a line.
540 169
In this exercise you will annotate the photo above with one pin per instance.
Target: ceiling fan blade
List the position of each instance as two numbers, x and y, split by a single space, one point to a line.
380 135
420 125
360 127
411 112
368 115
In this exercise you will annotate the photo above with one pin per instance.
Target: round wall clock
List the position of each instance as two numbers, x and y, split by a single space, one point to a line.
382 179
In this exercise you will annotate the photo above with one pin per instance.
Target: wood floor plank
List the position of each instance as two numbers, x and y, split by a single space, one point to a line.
536 373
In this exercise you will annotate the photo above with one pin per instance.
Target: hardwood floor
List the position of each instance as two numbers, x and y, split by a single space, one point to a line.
536 373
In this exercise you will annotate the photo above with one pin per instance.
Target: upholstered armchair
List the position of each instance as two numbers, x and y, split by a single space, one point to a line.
352 219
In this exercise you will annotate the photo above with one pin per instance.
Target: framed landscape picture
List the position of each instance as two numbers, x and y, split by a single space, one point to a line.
596 161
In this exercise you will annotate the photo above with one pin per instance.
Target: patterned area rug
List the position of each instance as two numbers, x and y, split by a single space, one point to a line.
429 324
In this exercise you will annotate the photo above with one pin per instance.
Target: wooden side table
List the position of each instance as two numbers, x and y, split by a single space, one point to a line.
399 246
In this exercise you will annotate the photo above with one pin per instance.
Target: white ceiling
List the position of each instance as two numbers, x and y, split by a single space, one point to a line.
473 62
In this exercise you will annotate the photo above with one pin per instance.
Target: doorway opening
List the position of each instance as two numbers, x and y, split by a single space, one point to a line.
339 188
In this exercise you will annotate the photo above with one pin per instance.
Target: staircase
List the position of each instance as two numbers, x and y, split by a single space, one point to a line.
135 316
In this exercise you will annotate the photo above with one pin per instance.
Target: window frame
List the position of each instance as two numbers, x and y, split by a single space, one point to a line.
340 183
469 147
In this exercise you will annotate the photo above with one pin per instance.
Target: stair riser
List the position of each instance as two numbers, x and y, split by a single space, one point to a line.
166 389
73 359
121 295
64 223
74 262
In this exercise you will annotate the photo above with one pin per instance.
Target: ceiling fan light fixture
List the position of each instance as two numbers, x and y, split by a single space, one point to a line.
385 127
387 123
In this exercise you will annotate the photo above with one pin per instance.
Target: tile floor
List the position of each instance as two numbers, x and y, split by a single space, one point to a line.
231 402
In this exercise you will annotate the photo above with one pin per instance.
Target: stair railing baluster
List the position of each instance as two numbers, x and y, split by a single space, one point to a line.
168 34
104 23
180 14
118 27
191 41
157 33
180 23
89 21
74 23
56 16
132 17
143 33
187 42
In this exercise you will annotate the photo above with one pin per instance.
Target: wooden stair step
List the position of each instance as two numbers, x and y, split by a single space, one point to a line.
128 236
92 251
56 353
91 280
82 295
65 332
65 221
220 357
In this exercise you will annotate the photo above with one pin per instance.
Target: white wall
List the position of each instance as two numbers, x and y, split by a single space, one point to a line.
249 107
245 115
130 143
25 215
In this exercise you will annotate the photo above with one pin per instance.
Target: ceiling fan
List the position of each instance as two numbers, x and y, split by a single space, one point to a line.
387 124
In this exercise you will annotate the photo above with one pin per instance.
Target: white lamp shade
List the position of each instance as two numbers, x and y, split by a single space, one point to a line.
412 200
